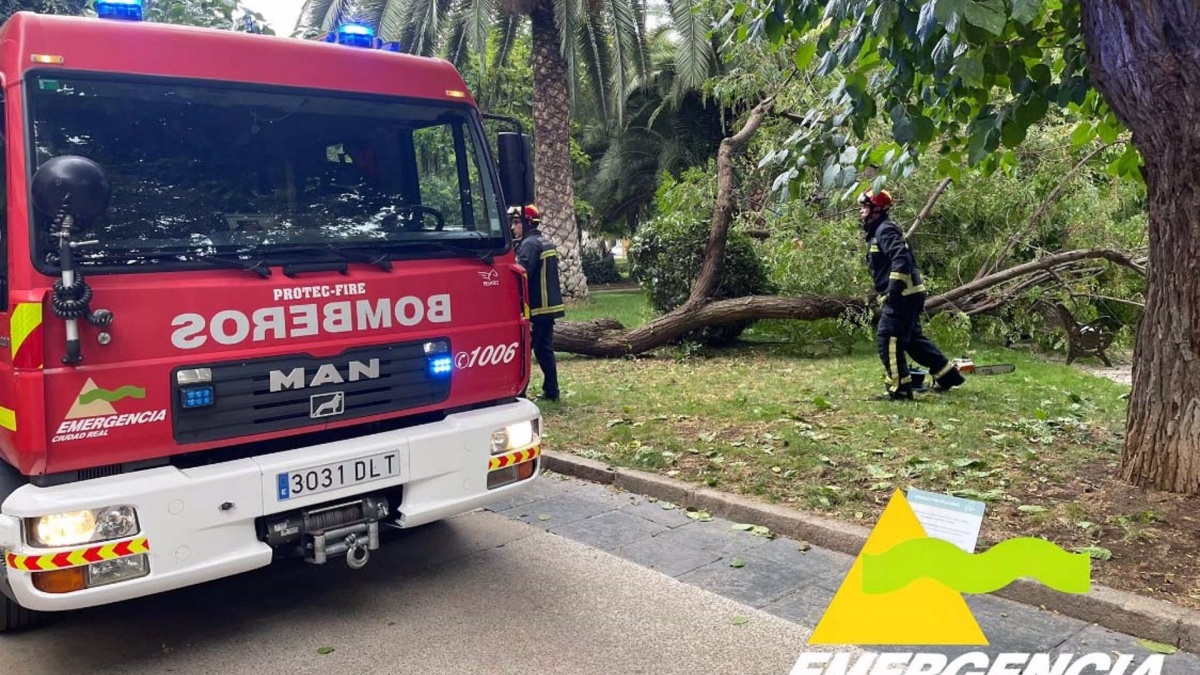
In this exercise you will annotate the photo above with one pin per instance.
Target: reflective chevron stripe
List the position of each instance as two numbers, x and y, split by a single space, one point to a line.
77 557
513 458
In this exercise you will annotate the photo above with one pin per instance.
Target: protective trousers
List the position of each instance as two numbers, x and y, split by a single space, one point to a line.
899 336
543 350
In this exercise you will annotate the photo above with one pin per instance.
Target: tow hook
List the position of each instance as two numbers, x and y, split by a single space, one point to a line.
357 552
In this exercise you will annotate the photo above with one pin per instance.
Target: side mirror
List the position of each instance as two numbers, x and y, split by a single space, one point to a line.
73 186
516 168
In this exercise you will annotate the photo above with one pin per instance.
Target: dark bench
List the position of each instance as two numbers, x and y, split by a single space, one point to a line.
1083 340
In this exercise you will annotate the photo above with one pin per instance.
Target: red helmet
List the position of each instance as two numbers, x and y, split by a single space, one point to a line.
882 200
532 214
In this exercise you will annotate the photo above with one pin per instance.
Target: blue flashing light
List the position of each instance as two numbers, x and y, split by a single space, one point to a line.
356 35
127 10
441 365
391 47
197 397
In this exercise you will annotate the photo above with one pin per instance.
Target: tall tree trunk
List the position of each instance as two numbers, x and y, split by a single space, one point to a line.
552 156
1144 57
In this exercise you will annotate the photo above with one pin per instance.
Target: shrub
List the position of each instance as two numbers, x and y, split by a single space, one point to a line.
666 255
599 268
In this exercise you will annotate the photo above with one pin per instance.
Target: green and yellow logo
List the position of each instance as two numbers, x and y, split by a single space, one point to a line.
906 588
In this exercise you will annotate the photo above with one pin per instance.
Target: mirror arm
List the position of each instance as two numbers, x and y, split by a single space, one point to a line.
501 118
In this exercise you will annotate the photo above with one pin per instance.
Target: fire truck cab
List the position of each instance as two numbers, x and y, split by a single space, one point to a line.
258 299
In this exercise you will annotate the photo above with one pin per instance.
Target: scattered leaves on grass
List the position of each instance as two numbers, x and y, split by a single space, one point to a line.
1157 646
1097 552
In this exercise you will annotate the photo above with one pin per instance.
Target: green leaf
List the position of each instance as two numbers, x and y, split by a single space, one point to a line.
1157 646
805 54
1084 132
1032 508
702 516
926 23
737 563
986 14
740 620
743 526
948 168
1033 110
970 69
948 12
1108 132
1041 75
1097 552
885 17
1025 11
325 650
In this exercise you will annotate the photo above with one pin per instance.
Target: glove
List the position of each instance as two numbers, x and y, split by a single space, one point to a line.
895 292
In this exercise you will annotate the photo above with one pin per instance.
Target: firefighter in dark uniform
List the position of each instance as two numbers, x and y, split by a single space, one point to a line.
539 257
897 279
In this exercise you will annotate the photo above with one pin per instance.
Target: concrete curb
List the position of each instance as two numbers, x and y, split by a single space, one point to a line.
1120 611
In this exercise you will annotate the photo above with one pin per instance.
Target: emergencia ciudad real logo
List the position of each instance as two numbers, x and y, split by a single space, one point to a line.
905 589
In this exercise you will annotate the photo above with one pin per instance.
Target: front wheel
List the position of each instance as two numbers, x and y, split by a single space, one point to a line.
15 617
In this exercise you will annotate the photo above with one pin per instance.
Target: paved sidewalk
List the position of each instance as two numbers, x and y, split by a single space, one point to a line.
784 577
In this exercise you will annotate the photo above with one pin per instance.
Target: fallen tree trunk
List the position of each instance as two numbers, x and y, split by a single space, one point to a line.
609 338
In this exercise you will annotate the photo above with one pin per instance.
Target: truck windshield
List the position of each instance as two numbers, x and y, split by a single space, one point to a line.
199 169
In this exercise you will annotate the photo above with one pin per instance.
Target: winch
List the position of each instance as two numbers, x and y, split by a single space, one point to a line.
349 529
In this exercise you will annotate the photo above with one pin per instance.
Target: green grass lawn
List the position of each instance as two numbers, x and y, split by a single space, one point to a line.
758 419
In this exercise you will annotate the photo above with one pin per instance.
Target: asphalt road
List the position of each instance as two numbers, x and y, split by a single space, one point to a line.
571 577
481 593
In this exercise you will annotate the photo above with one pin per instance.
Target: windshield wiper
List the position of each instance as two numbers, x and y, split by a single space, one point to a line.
219 260
381 261
486 256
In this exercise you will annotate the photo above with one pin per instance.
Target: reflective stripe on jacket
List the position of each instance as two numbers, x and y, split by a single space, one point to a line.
891 257
539 257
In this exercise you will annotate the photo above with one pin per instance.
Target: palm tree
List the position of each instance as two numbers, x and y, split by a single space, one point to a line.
607 36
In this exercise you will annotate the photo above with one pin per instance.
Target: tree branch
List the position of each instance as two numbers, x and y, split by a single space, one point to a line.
990 266
714 253
928 206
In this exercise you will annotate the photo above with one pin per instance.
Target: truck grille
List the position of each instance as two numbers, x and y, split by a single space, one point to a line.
307 391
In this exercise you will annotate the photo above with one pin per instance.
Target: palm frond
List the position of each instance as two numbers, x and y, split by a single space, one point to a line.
506 30
693 52
596 57
567 15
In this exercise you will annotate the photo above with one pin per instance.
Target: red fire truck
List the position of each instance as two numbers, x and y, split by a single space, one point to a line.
259 300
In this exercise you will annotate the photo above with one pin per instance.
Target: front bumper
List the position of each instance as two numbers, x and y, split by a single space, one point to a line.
199 524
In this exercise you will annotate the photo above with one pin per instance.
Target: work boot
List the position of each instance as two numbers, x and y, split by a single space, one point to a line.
950 380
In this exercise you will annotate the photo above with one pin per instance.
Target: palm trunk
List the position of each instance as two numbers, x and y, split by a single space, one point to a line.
552 156
1144 57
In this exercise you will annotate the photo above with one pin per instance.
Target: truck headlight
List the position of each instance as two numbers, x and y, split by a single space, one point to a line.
514 437
82 527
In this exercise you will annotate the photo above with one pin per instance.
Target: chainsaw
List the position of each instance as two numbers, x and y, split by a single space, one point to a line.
966 367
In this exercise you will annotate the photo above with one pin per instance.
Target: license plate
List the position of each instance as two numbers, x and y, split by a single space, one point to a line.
315 480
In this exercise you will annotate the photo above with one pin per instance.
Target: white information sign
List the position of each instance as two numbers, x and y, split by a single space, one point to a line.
953 519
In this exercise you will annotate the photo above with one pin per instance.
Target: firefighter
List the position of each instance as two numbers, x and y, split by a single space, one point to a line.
898 281
539 257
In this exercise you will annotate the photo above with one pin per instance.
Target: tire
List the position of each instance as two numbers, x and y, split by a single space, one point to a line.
14 617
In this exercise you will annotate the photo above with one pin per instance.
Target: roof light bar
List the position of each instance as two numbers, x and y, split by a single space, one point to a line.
356 34
126 10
